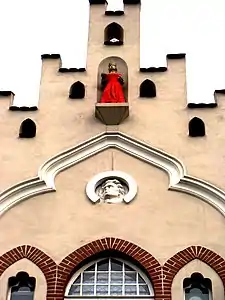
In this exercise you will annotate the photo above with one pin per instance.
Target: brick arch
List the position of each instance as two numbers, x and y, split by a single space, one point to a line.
183 257
38 257
69 263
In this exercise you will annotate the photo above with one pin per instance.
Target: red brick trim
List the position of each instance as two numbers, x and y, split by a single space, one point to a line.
179 260
38 257
162 277
69 263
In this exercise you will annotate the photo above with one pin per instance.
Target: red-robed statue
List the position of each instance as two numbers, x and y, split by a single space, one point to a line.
112 85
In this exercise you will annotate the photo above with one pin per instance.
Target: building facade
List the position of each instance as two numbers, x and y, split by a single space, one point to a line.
113 200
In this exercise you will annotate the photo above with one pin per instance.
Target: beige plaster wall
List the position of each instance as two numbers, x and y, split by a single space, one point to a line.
33 271
162 122
160 221
206 271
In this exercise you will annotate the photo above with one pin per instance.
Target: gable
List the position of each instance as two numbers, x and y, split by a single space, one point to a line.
178 179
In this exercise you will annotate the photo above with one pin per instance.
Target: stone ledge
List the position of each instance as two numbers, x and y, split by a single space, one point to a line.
111 113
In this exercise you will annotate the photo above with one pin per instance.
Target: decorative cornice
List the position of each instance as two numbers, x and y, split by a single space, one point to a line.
178 179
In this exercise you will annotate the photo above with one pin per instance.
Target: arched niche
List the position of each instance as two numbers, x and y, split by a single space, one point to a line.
33 271
113 34
196 127
112 113
77 90
122 68
147 89
27 129
197 266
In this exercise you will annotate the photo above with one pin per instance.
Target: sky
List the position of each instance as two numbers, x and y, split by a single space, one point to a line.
31 28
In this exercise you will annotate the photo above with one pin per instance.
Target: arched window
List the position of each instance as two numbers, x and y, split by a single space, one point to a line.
27 129
110 277
196 127
113 34
77 90
21 286
147 89
197 287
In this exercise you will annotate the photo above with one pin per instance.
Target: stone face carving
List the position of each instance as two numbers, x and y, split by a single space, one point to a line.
111 187
112 191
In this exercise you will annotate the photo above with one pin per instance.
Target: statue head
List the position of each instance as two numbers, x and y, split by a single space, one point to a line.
112 191
112 67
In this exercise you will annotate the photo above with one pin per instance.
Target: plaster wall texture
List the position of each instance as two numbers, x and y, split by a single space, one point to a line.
160 221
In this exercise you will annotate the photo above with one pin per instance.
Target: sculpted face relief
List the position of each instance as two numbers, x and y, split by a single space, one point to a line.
112 191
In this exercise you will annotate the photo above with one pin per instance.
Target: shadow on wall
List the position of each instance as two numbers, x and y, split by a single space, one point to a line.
122 69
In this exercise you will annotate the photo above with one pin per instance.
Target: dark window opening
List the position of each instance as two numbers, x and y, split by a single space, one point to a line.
22 286
113 34
148 89
197 287
77 90
196 127
27 129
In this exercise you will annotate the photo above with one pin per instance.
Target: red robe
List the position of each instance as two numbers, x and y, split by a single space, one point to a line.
113 92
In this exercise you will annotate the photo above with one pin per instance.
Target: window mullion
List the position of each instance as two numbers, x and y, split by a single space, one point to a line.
137 284
81 283
109 277
95 279
123 276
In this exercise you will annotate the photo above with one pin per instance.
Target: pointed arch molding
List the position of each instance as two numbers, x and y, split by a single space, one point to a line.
178 179
144 258
179 260
38 257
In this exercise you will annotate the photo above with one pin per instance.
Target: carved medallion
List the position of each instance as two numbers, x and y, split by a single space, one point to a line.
111 187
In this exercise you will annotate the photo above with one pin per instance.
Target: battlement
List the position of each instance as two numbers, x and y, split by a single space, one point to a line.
155 88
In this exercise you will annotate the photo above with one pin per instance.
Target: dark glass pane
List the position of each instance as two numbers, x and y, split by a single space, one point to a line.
74 290
88 277
130 290
115 290
103 277
116 265
127 268
24 289
22 295
103 265
91 268
140 279
102 290
130 277
144 290
78 279
196 294
116 277
88 290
